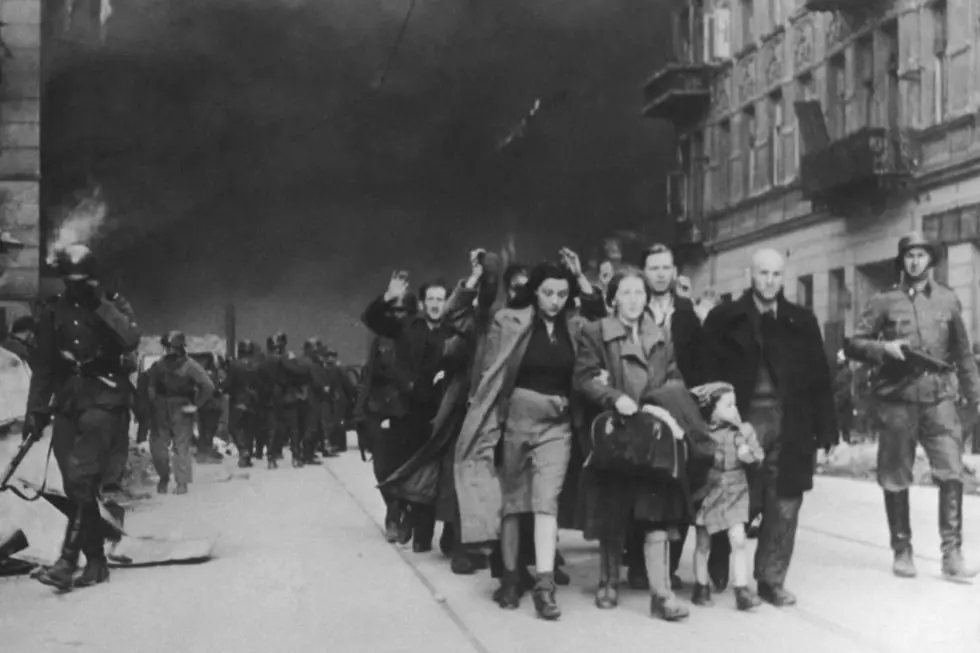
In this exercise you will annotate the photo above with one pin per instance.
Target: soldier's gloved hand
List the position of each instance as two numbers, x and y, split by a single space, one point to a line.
34 424
893 348
190 409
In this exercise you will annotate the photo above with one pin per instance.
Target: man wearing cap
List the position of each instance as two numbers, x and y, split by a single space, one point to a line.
916 403
80 381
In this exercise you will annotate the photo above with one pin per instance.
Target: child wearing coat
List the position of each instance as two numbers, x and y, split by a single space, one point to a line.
725 505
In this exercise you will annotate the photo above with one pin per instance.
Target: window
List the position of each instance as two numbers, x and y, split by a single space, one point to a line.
724 153
748 151
748 22
777 127
940 73
837 96
775 13
893 98
806 89
837 295
804 291
864 76
697 174
716 40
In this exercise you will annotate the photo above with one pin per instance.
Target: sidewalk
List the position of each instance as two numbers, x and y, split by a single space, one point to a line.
849 601
299 567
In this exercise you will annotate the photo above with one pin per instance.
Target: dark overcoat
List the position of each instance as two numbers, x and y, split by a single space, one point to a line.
800 365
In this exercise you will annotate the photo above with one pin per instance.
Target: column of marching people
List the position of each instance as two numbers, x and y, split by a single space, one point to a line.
491 405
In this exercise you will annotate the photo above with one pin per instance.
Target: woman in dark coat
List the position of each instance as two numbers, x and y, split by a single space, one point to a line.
623 360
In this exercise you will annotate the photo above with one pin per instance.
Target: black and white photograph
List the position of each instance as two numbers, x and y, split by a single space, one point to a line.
489 326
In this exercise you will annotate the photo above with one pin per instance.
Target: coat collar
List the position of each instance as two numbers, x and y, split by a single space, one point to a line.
745 308
650 334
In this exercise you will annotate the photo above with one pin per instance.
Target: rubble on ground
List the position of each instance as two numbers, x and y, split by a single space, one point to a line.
860 461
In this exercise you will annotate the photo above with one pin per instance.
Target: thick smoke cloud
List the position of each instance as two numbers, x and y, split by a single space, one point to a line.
249 155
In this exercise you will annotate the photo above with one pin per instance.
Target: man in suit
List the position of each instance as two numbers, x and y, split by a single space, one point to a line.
772 353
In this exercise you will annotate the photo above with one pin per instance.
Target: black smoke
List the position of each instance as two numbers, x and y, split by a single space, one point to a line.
250 155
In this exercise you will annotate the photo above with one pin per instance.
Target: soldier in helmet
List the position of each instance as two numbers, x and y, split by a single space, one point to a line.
310 401
243 397
917 404
79 381
284 375
339 405
178 387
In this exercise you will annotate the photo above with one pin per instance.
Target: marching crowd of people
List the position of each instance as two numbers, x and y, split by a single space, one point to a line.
625 410
527 399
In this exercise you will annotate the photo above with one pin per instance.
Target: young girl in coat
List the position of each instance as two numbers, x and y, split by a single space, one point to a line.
726 495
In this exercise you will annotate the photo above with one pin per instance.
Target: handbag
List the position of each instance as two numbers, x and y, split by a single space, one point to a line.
639 445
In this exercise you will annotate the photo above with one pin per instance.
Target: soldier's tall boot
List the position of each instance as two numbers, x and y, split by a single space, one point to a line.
61 574
900 528
951 532
96 566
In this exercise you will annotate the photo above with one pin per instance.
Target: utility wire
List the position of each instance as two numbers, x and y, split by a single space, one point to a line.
397 44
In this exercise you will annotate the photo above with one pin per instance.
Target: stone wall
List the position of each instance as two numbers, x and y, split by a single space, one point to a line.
20 157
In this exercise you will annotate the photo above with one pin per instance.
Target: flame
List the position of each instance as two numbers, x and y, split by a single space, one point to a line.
81 226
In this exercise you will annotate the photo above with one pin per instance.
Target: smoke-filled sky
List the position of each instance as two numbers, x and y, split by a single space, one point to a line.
249 154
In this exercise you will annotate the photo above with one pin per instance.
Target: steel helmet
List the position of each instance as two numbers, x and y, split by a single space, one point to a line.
174 339
76 263
916 240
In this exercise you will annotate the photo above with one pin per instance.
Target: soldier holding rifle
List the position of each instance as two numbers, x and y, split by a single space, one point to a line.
80 381
914 333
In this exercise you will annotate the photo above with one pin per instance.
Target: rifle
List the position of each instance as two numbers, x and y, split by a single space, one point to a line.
923 362
29 440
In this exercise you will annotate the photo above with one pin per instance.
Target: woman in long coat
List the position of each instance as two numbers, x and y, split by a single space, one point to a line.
622 360
524 403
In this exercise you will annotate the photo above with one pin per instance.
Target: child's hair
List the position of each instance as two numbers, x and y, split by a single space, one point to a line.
707 396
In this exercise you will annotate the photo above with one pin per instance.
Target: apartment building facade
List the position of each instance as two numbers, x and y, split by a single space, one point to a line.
824 129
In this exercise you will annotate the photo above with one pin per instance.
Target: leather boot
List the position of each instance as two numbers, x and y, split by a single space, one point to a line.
392 520
951 532
163 486
607 595
423 528
244 461
61 574
461 563
508 595
702 595
746 599
544 597
899 526
96 566
663 603
447 538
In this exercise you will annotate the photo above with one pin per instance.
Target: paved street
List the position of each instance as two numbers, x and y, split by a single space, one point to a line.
301 566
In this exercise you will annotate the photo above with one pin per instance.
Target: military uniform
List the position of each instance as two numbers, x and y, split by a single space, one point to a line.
917 405
79 379
175 383
244 395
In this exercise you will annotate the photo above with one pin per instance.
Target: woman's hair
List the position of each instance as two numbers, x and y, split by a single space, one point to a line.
626 272
513 270
549 270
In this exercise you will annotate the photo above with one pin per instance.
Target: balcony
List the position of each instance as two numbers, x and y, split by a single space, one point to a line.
844 6
873 159
679 92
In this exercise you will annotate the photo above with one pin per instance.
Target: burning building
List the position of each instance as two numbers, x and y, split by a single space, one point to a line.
824 129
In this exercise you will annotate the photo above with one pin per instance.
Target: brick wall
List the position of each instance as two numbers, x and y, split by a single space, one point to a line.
20 158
